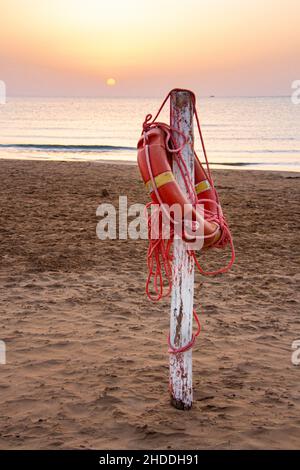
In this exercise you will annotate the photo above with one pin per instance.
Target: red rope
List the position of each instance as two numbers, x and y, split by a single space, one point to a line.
190 344
159 256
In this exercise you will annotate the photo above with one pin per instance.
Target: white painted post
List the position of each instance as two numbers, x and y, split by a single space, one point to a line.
181 321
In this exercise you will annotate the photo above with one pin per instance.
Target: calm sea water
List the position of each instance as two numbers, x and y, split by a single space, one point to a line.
249 133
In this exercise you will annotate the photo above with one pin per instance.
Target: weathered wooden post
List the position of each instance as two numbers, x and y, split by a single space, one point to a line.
181 321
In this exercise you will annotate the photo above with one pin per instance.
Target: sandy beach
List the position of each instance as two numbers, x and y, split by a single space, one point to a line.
87 361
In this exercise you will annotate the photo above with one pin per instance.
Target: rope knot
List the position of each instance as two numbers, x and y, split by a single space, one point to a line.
146 124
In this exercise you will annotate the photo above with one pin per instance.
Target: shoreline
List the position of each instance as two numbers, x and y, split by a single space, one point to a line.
223 166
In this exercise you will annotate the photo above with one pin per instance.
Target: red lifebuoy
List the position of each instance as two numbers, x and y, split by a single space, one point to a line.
156 150
155 162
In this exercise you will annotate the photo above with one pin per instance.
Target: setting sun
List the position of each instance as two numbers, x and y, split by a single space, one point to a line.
111 82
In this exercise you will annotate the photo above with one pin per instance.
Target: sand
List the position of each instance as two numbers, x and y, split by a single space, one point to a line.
87 362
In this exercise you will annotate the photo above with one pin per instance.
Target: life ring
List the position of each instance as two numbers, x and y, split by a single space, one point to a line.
154 161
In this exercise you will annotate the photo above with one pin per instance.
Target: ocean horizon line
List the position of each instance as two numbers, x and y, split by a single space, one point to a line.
125 97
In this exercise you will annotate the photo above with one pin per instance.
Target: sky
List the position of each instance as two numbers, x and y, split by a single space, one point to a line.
215 47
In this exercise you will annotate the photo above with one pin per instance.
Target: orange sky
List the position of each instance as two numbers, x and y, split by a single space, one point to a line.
221 47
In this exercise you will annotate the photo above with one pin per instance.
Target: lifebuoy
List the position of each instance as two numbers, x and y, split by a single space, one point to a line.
156 151
157 147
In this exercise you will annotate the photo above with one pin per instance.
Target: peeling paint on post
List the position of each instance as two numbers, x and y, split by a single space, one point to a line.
181 321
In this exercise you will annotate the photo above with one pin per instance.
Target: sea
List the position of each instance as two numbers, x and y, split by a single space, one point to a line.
240 133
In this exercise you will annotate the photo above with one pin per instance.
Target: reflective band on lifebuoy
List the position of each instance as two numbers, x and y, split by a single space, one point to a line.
160 180
202 186
167 177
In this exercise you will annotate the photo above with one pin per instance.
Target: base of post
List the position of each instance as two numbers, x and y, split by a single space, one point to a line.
179 404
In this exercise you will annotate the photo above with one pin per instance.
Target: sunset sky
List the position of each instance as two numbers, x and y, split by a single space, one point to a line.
221 47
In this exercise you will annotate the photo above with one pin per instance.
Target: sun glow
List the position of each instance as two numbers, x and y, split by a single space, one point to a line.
66 45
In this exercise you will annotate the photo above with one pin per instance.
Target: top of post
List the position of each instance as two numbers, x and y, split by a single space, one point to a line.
182 98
